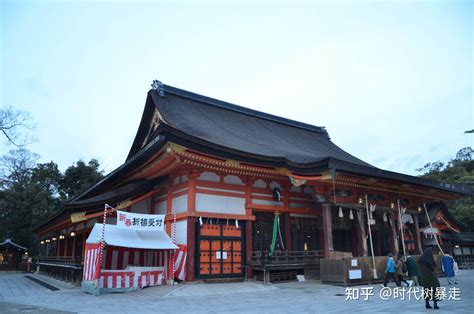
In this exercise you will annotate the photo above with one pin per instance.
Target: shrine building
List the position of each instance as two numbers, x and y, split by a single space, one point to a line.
247 193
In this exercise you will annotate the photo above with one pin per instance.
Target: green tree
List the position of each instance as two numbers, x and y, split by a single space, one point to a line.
80 176
17 198
31 192
459 170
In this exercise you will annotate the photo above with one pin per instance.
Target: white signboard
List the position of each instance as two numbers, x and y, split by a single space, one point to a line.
355 274
431 231
353 262
220 255
140 221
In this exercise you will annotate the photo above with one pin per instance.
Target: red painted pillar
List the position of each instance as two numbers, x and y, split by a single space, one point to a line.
249 226
192 191
287 231
59 246
327 230
191 247
120 258
84 239
74 246
286 203
66 240
191 234
169 205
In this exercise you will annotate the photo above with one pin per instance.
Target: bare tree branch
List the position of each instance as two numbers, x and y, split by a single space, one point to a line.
13 123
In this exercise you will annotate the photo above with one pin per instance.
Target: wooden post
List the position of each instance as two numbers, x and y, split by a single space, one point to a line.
286 202
287 231
191 246
74 247
249 226
327 230
83 245
169 204
249 246
361 234
393 234
418 247
59 245
192 191
66 240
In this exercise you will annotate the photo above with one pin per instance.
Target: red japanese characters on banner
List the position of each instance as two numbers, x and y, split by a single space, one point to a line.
140 221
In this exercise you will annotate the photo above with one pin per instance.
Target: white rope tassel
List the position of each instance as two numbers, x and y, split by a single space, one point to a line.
351 215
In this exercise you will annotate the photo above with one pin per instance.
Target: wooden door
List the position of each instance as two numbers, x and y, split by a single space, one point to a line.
220 251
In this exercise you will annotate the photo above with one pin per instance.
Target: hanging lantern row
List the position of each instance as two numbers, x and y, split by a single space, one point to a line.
61 237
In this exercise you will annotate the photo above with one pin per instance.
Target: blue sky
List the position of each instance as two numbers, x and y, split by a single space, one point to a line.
392 81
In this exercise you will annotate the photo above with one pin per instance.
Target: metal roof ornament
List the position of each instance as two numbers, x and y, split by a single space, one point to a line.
159 87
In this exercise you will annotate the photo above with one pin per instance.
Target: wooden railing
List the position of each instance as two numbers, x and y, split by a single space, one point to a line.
259 258
61 260
68 268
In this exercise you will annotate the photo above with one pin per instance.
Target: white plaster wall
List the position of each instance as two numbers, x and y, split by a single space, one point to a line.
160 208
220 204
142 207
275 185
233 180
209 176
182 232
260 184
180 203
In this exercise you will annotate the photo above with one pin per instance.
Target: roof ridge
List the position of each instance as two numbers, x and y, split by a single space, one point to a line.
244 110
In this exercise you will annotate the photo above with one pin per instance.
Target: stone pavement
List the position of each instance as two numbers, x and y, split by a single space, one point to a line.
18 294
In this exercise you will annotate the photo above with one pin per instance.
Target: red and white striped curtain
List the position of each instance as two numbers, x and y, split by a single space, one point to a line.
180 262
91 262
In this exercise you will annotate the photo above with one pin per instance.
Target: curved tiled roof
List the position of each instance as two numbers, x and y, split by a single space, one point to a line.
246 130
